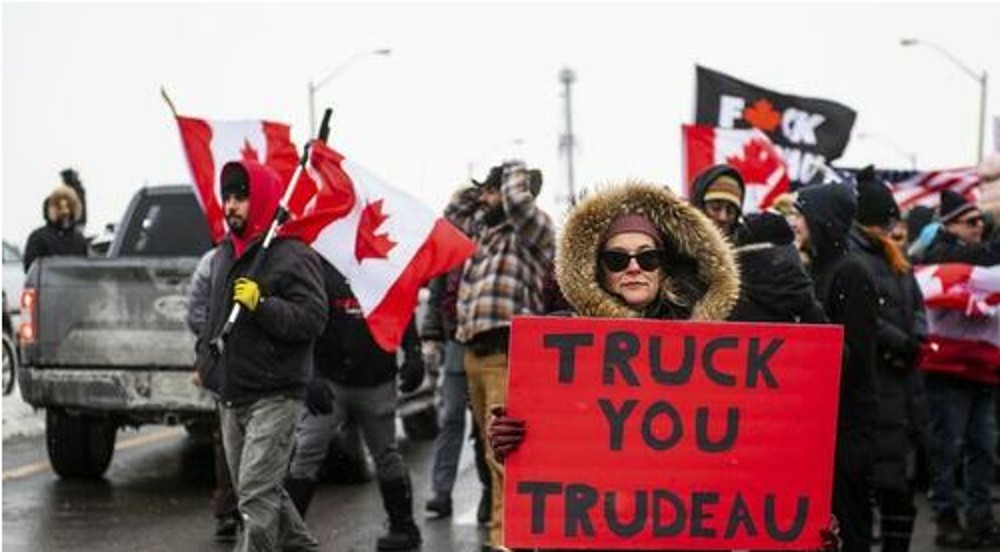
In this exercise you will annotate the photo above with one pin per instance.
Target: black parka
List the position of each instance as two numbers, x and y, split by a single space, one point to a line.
903 416
347 353
846 289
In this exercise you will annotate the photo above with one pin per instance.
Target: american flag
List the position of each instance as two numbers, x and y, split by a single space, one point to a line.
912 188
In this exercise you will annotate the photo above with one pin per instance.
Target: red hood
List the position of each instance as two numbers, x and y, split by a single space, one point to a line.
265 194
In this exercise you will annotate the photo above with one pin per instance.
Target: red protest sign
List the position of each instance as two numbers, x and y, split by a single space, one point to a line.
671 435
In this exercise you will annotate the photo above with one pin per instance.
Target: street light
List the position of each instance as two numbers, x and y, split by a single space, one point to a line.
978 77
314 86
909 155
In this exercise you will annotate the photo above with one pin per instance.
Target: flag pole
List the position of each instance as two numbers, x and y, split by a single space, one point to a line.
166 98
217 345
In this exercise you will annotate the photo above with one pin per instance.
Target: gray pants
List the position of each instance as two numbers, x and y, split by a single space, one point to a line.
454 394
373 409
258 442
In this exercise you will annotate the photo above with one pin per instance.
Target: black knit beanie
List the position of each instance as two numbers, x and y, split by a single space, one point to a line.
876 206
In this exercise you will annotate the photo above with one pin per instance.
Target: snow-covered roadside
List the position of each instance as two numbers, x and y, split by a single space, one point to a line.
19 418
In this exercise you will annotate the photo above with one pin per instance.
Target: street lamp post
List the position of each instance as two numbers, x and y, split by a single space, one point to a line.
567 77
314 86
909 155
981 78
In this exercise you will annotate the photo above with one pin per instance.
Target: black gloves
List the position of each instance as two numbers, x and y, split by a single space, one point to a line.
504 433
411 373
319 397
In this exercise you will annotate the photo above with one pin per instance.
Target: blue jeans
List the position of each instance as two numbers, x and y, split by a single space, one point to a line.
454 396
962 420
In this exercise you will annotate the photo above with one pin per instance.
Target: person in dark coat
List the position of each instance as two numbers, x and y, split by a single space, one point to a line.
355 380
260 374
963 412
847 292
774 285
960 235
903 421
60 235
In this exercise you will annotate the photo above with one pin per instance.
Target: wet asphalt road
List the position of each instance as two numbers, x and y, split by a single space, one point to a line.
157 496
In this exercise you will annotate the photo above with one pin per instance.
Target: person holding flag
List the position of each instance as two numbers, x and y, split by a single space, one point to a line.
259 375
963 417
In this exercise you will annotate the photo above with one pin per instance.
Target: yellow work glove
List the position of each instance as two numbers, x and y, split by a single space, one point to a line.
246 292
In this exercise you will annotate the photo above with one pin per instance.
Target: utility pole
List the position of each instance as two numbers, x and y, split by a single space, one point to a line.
566 144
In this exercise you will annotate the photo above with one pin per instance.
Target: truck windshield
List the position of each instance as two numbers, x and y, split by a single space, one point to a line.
166 225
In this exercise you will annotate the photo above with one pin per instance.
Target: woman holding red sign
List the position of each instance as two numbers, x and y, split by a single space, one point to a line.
636 251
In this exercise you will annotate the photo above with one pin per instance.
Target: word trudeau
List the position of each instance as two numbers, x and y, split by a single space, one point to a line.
662 512
622 349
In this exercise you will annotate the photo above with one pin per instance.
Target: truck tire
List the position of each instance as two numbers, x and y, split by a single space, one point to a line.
9 364
421 425
80 447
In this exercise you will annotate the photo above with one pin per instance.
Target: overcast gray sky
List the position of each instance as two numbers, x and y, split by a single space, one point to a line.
80 85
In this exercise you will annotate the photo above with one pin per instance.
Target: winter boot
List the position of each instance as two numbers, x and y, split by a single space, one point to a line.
896 532
949 531
301 492
397 496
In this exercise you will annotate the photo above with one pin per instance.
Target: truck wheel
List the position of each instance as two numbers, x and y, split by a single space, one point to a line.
9 365
79 446
421 425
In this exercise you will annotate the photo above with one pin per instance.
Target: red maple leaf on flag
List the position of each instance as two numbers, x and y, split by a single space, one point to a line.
248 153
368 244
954 277
757 163
761 165
762 115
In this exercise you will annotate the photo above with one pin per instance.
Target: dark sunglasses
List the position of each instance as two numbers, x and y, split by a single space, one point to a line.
617 261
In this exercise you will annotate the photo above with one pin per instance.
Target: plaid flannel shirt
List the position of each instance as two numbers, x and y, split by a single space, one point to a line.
505 276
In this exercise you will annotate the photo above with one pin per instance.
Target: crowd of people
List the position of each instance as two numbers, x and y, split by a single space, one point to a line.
836 254
303 362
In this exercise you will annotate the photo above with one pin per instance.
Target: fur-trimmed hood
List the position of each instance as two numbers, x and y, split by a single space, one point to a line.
701 259
62 192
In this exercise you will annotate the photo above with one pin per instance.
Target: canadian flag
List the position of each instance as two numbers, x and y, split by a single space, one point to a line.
963 321
383 240
209 145
749 151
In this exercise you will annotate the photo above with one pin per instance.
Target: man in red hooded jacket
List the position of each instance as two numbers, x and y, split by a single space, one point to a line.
260 375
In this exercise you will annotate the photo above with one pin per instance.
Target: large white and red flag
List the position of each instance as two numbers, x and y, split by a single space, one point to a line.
210 144
383 240
963 320
749 151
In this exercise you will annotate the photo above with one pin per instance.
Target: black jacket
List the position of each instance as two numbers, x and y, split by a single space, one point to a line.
50 241
346 353
903 416
946 248
774 286
846 289
270 350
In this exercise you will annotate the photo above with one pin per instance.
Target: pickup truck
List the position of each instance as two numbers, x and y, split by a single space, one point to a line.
104 344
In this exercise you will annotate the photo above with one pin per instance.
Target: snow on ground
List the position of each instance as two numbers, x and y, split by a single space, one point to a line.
19 418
